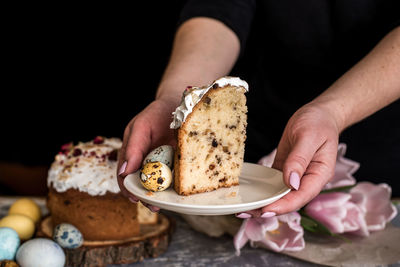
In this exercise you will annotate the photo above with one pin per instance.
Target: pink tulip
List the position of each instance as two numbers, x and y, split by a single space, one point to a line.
268 159
337 213
277 233
374 201
344 170
365 208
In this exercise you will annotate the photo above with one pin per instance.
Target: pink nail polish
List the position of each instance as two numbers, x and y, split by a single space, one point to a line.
122 169
268 214
243 215
294 180
133 200
153 209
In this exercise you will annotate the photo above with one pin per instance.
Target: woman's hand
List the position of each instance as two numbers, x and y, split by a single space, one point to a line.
147 130
306 155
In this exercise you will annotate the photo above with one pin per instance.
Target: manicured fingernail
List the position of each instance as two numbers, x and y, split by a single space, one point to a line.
243 215
152 208
294 180
155 209
122 169
268 214
133 200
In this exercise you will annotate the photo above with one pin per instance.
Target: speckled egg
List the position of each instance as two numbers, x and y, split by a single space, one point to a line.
156 176
40 252
23 225
67 236
164 154
9 243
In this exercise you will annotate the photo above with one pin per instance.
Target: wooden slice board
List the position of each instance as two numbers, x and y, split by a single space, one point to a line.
152 241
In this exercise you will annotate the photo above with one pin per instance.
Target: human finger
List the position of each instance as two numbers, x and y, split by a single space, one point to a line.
317 174
294 159
136 146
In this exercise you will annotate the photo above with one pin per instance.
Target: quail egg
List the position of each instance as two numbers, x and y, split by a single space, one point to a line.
164 154
156 176
67 236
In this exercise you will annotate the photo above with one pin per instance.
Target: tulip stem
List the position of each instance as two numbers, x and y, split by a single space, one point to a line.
315 226
338 189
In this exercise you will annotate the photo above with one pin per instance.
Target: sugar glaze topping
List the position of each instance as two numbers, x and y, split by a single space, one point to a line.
192 95
88 167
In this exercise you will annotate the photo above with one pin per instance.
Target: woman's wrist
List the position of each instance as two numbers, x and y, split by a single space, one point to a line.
334 109
368 86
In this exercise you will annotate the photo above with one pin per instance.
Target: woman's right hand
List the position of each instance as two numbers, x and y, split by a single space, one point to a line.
147 130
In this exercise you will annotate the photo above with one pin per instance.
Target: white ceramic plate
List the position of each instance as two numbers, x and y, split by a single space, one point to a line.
258 186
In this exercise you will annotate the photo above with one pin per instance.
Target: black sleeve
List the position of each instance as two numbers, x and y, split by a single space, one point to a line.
236 14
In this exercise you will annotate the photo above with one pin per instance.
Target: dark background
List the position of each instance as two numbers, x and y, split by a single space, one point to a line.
71 73
77 72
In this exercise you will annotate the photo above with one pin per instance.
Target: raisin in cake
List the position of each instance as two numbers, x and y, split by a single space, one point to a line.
83 191
211 123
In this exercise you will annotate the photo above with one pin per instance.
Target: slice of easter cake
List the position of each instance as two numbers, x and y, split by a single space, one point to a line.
211 123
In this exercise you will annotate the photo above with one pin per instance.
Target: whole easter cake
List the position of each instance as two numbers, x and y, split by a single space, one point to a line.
211 123
83 191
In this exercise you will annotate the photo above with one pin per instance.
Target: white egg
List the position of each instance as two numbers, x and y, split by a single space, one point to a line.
67 236
164 154
156 176
40 252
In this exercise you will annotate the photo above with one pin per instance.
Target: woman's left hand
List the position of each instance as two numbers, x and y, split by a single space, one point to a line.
306 155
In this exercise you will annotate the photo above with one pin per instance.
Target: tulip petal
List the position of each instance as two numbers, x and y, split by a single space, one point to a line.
336 212
256 227
374 200
355 221
344 170
277 233
288 236
268 160
240 239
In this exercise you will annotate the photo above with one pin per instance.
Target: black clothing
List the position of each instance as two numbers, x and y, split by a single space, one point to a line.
293 50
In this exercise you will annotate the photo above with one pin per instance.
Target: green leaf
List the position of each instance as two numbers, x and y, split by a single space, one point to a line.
308 224
338 189
312 225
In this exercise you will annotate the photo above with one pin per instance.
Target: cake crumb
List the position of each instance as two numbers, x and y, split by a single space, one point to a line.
232 194
149 193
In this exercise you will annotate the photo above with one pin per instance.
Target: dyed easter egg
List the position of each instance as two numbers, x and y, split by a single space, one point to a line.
164 154
27 207
40 252
156 176
67 236
23 225
9 243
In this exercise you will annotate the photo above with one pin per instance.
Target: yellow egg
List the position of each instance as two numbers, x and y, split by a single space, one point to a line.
27 207
23 225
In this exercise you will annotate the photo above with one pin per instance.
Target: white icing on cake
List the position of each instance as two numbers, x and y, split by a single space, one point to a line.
192 95
88 167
